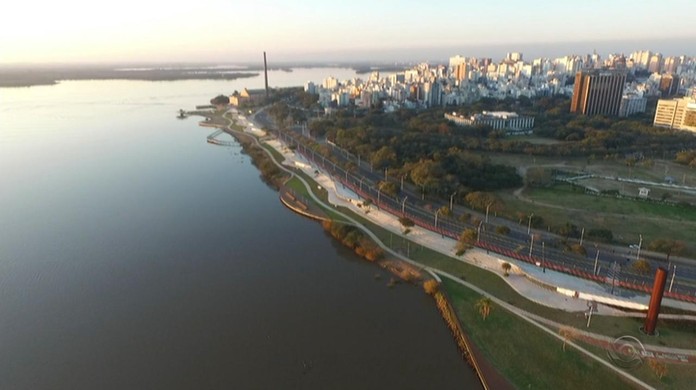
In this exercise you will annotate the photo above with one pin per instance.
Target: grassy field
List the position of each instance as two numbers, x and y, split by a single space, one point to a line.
573 197
627 219
671 334
679 376
527 356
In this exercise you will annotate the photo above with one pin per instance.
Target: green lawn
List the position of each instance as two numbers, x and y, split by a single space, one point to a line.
527 357
566 195
679 376
626 227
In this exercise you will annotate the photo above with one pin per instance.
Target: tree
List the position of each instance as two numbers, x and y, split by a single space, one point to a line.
406 222
506 268
538 177
602 235
388 187
502 230
431 286
657 367
484 307
579 249
383 158
568 334
466 240
445 211
481 200
220 100
667 246
642 266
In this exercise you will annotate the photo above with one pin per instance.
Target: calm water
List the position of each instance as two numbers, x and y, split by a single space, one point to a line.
135 255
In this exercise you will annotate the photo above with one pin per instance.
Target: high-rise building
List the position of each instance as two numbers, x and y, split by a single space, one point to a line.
598 92
514 56
671 64
655 65
641 58
632 103
669 85
676 114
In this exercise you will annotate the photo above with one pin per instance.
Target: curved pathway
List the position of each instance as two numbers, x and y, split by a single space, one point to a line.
527 316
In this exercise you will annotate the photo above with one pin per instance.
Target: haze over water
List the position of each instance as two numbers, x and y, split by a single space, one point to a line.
135 255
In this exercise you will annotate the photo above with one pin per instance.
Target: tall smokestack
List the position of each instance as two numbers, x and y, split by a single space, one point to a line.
265 72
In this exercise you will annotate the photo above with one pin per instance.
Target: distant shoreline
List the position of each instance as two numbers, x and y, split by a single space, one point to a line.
16 78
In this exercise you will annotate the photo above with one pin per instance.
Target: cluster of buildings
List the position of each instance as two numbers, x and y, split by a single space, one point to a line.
616 86
467 79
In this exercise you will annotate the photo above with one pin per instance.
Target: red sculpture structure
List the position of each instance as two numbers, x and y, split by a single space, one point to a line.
655 301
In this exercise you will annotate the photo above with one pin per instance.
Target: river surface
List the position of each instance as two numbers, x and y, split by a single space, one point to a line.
134 255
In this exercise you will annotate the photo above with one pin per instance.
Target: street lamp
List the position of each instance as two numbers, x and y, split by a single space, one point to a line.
478 232
403 205
543 256
379 192
436 213
640 245
488 206
529 225
596 260
452 199
531 245
402 181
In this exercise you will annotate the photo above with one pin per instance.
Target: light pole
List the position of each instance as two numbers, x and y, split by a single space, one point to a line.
640 245
361 179
478 232
402 181
422 192
529 224
403 205
582 235
531 245
436 213
488 206
452 199
379 192
596 260
672 281
543 256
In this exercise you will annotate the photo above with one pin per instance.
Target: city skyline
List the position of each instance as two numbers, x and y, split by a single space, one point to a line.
77 31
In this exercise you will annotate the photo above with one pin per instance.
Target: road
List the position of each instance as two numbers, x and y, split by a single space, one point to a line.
612 266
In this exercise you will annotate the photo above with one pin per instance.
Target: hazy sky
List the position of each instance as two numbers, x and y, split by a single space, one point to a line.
230 30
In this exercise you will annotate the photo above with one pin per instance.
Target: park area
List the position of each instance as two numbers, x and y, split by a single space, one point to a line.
604 194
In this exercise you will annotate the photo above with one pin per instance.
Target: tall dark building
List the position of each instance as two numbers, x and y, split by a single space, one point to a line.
598 92
669 85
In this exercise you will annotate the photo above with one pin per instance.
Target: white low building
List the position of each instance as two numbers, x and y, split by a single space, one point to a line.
499 120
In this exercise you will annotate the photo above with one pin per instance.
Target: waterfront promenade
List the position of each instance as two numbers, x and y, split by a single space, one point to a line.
522 278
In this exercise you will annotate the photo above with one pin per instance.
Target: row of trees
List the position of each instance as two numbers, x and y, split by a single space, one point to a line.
585 136
354 239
